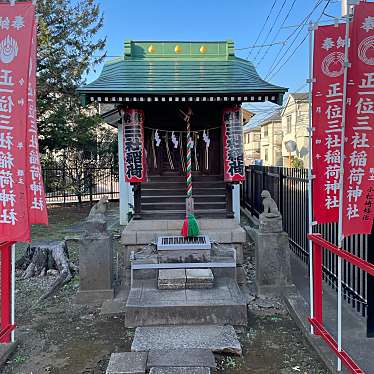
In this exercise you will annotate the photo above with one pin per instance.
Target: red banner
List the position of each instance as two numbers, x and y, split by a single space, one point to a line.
232 132
358 183
133 145
34 178
15 42
327 102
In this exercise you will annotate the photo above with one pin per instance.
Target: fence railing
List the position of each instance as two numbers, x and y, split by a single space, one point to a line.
68 185
289 189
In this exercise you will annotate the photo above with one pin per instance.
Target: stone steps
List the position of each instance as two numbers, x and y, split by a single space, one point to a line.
176 361
149 306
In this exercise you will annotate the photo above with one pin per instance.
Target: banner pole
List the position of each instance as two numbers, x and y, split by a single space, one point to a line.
310 198
13 289
341 179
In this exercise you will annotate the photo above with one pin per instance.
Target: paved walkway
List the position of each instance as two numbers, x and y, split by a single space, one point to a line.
354 339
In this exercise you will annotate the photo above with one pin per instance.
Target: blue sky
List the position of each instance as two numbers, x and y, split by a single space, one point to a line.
246 22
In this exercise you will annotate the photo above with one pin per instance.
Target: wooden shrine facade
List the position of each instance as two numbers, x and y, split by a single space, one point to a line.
159 81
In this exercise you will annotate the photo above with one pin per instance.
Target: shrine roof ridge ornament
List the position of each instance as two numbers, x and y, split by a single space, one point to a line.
180 50
168 70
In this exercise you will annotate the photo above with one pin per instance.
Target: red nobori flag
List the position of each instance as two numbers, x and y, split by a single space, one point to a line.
232 130
16 25
133 145
327 102
358 182
34 178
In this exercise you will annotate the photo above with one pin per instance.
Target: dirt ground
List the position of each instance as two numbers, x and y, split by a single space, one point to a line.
60 337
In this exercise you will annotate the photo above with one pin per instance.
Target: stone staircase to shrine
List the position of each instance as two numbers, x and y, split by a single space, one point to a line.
163 197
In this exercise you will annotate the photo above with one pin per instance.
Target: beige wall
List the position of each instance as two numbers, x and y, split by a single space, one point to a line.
299 117
271 143
252 144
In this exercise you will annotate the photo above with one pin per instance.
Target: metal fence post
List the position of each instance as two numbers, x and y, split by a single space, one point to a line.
280 190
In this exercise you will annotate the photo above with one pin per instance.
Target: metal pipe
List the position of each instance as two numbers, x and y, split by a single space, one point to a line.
341 179
310 198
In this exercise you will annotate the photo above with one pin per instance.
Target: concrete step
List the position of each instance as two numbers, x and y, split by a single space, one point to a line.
192 357
181 198
166 205
175 183
149 306
167 190
180 214
218 339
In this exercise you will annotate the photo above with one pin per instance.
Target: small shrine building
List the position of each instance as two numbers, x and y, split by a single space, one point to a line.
153 86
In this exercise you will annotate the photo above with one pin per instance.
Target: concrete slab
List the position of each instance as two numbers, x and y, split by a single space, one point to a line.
222 304
176 370
127 363
181 358
220 339
199 278
171 279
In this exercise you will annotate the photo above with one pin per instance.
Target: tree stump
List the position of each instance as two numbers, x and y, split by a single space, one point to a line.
44 257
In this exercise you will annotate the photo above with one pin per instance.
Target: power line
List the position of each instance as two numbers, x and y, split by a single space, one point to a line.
271 29
261 45
284 21
299 45
297 31
262 28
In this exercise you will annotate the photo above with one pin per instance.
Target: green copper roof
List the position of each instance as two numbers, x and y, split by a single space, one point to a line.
170 68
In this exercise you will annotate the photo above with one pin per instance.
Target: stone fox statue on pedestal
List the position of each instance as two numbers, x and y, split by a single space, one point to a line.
270 206
99 210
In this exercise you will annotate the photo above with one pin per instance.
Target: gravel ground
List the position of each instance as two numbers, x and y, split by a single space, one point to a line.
60 337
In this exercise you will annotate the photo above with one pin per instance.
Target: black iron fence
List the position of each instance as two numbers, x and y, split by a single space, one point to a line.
289 189
70 185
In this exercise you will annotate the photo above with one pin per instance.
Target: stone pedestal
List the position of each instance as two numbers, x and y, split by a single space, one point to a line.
95 264
273 270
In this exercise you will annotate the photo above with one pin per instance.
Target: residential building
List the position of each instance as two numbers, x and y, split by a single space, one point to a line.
271 140
295 118
252 145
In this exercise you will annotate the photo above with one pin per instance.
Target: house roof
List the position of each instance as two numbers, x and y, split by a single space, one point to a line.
300 96
275 117
172 68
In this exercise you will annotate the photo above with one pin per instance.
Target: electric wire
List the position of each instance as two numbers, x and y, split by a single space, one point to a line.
298 46
262 28
270 30
276 35
297 31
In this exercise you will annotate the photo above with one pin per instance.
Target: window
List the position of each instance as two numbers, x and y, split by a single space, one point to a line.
266 154
289 121
266 131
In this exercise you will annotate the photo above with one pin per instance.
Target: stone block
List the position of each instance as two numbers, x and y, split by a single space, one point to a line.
184 255
145 237
216 224
239 235
145 273
273 269
220 236
174 225
270 224
95 267
180 370
199 278
128 237
171 279
219 339
181 358
127 363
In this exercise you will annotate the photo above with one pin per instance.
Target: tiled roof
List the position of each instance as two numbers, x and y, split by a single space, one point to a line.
163 71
